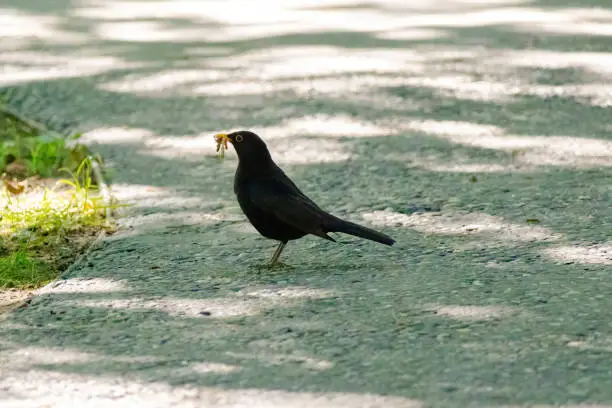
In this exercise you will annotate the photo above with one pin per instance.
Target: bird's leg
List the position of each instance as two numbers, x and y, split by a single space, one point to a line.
277 253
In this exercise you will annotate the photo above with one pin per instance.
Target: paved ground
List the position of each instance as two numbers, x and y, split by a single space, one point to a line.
477 133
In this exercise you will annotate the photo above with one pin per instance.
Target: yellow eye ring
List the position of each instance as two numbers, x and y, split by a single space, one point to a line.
238 138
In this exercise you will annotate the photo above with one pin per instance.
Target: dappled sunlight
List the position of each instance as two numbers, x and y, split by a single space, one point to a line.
276 359
457 164
246 303
329 126
164 80
160 220
471 224
464 168
581 28
151 32
598 254
32 28
136 192
597 62
32 390
450 115
25 358
412 34
593 344
592 94
473 312
165 198
308 151
22 66
239 19
322 86
115 135
291 62
581 21
169 147
530 150
84 285
215 368
288 292
194 308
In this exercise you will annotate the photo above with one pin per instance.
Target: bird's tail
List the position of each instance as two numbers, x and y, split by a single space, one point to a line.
338 225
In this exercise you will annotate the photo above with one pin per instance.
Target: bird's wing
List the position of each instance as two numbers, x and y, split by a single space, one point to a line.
287 204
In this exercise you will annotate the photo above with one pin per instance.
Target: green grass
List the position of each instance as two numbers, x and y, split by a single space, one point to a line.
35 150
20 270
45 227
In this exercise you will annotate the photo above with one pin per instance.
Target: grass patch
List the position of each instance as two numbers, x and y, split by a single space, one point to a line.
46 221
22 271
27 149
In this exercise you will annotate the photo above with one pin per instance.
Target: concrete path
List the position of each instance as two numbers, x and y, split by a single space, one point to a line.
477 133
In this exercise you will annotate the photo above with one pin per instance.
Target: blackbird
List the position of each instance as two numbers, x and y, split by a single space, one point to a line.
275 205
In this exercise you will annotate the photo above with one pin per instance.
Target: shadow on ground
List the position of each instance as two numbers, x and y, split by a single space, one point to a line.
477 135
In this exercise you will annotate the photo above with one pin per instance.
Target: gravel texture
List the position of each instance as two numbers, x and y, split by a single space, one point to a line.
476 133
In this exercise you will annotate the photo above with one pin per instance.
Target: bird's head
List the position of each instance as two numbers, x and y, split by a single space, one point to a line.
248 145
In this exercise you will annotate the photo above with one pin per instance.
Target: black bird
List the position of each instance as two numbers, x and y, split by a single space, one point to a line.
275 205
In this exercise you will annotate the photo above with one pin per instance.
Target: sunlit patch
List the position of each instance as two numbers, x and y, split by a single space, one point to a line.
456 164
594 254
26 357
208 51
115 135
39 355
473 312
161 220
211 308
288 62
532 150
580 28
476 224
149 31
595 344
334 126
163 81
16 24
136 195
457 86
136 192
577 21
412 34
170 147
215 368
277 359
592 94
599 62
106 391
240 304
44 65
292 292
305 151
84 285
467 167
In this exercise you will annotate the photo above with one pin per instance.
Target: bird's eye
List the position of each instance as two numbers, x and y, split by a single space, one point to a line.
238 138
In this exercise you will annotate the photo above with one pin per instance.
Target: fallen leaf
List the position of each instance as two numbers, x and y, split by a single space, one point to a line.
14 187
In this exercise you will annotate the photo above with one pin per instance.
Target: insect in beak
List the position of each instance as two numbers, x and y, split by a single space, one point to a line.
222 140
